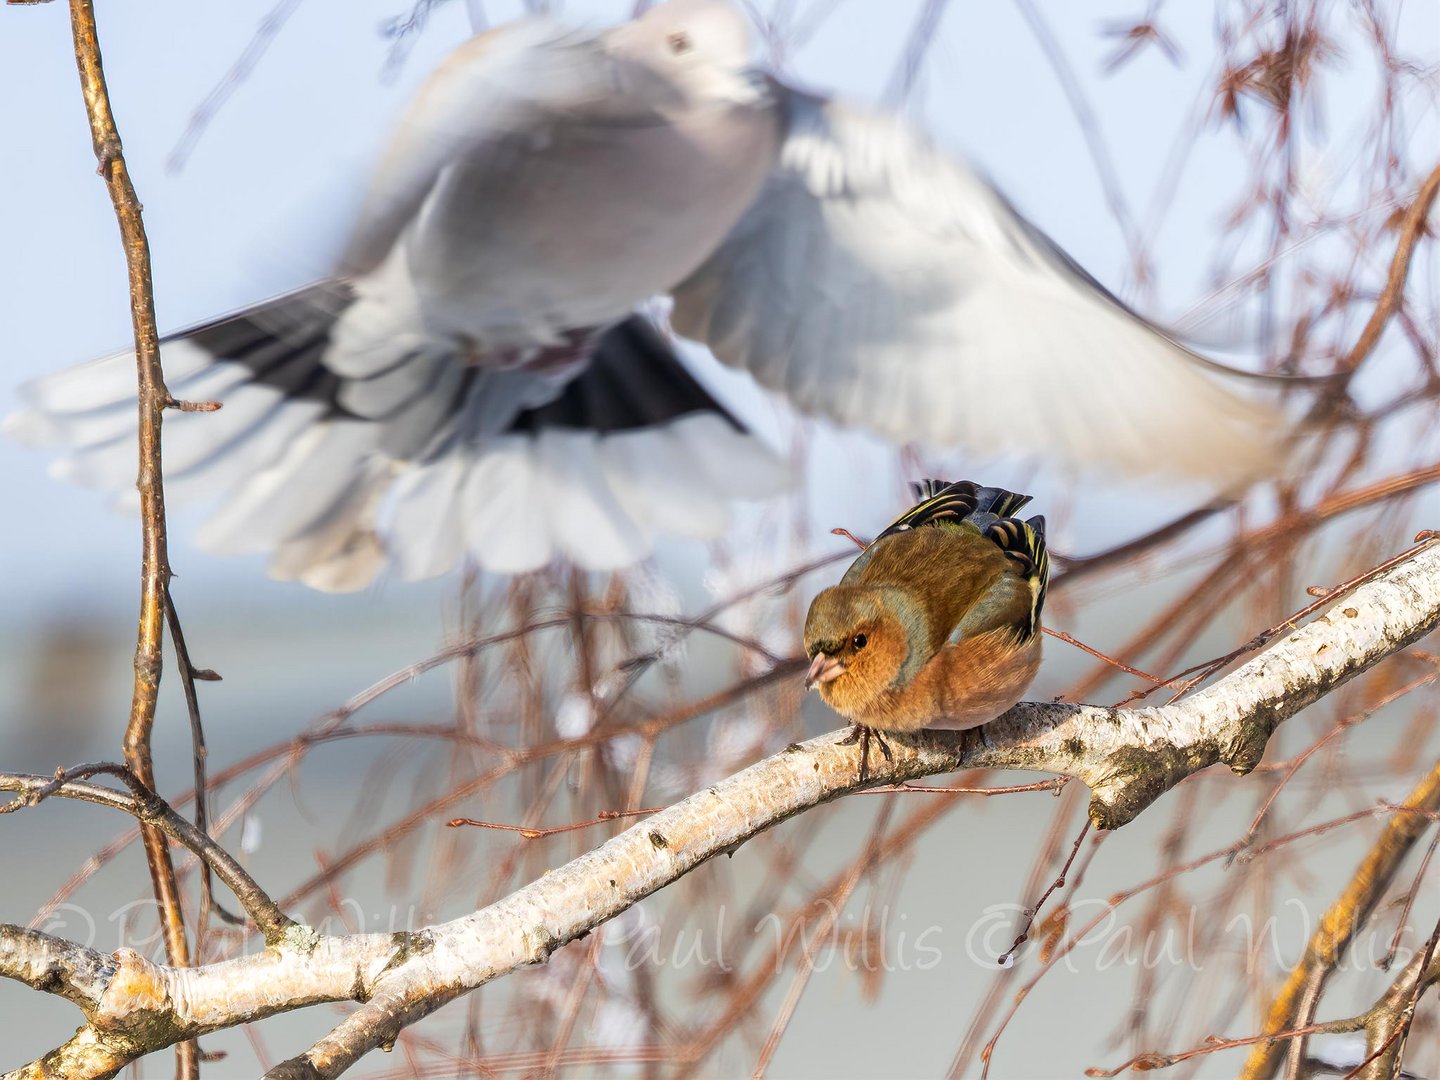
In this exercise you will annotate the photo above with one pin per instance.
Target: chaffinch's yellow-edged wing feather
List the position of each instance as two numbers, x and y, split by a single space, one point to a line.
941 502
1024 542
971 566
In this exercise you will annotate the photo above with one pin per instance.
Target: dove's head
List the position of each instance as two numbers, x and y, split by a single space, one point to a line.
698 46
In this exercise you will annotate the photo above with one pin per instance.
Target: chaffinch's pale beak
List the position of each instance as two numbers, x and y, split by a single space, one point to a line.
823 669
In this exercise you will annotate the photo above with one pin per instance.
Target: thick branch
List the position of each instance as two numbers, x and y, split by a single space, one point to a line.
53 966
135 1007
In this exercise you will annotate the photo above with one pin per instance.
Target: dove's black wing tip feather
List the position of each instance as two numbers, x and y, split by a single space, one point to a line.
634 380
282 341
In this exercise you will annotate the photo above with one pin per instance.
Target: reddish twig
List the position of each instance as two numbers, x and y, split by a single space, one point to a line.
1008 956
1070 640
536 834
1412 227
1389 958
1153 1060
1057 785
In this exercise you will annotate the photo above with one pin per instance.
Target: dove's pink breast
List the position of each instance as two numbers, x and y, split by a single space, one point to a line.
574 225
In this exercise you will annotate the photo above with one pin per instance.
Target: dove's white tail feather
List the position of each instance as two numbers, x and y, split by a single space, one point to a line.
426 462
503 515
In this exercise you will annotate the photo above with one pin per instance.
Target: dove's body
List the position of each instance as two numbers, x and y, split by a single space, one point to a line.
571 276
474 382
510 248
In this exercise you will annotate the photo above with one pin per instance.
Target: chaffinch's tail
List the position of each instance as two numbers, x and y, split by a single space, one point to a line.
1024 541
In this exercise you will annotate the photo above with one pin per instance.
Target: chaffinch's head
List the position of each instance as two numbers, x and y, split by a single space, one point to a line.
859 641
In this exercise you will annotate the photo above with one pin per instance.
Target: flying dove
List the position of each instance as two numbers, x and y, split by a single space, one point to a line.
475 379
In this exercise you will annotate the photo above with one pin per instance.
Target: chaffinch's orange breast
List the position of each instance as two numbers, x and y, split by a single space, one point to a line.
963 685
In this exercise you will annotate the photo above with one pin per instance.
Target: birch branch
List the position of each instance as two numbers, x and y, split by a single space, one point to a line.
1128 757
53 966
134 1007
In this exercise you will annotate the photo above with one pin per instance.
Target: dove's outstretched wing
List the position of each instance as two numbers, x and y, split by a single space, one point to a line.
881 283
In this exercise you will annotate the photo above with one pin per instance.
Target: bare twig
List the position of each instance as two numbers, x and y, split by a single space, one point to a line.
189 674
153 398
1070 639
155 813
264 36
1008 956
1151 1060
537 834
1054 786
1412 227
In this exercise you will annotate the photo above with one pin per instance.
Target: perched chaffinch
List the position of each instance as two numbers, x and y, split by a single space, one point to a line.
937 623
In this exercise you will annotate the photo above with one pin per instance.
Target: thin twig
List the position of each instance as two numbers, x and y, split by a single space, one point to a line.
1152 1060
188 675
1403 921
1411 229
264 36
1071 640
1008 956
536 834
152 399
151 811
1057 785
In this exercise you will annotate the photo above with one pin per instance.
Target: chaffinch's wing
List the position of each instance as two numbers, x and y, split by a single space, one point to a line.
960 551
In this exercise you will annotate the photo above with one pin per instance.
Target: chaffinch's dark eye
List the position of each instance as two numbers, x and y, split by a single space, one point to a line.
860 641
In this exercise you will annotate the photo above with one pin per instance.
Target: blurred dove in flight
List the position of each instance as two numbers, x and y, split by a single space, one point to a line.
474 379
